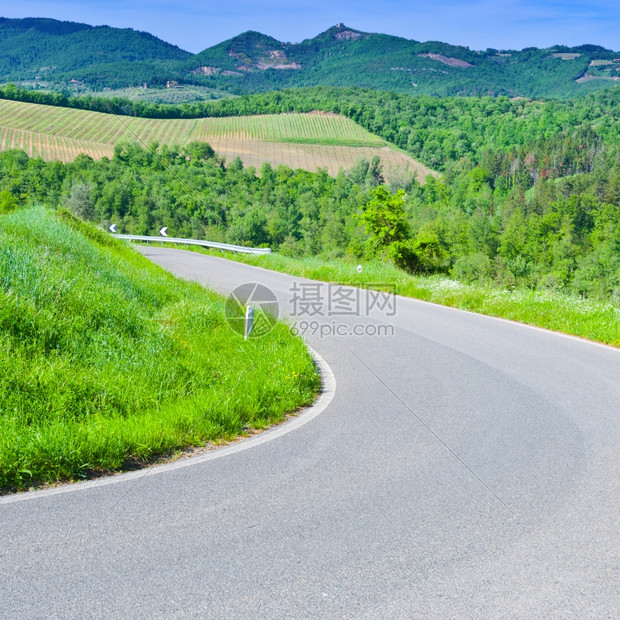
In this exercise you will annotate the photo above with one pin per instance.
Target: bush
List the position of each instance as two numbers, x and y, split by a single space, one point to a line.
78 201
291 247
432 257
472 268
423 255
8 202
385 217
403 255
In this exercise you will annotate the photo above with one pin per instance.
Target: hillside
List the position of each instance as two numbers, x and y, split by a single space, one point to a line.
47 50
52 54
107 361
308 141
342 56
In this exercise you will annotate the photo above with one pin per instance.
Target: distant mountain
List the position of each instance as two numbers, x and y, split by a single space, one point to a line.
343 56
45 50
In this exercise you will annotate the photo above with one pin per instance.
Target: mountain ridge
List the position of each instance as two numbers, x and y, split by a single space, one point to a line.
36 51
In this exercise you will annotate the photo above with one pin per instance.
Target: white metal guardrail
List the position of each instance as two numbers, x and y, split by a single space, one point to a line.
207 244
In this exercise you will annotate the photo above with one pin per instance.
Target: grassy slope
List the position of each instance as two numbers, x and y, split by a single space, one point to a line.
62 133
109 128
589 319
106 360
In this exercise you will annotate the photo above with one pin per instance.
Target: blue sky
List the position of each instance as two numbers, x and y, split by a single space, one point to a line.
196 24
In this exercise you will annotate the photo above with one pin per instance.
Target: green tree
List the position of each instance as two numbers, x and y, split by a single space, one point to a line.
385 217
78 201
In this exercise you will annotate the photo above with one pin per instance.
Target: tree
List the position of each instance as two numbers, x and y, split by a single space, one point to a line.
78 201
359 171
375 172
199 151
482 235
385 217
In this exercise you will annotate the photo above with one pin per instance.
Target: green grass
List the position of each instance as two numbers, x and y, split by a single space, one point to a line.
108 362
591 319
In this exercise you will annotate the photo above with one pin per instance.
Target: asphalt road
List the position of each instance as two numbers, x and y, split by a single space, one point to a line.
467 467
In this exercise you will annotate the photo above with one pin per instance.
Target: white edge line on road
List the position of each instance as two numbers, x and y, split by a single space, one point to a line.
327 394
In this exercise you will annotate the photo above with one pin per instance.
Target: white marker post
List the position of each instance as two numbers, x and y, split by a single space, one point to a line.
249 321
163 232
112 228
359 269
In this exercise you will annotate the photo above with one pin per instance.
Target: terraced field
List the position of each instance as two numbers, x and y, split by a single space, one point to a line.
305 141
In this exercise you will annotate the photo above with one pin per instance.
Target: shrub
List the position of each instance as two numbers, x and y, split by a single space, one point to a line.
423 255
472 268
8 202
78 201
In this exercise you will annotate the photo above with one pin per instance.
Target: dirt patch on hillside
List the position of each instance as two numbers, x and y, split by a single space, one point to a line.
312 157
206 70
589 78
266 65
448 60
347 35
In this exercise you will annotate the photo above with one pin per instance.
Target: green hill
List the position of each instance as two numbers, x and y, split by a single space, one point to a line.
342 56
47 49
53 54
107 361
309 141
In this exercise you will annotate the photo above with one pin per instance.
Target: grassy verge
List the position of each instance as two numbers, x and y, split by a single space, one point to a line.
107 361
594 320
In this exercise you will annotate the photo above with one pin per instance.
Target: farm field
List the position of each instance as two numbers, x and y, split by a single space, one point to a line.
305 141
50 147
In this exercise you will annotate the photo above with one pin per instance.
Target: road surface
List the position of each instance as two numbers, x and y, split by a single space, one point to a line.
467 467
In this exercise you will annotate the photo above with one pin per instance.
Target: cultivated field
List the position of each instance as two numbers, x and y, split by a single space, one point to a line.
305 141
51 147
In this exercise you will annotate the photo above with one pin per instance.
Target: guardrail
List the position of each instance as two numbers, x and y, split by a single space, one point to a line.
207 244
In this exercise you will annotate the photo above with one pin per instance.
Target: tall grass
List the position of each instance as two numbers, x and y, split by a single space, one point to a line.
107 361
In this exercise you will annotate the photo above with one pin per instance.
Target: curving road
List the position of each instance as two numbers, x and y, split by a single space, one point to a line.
467 467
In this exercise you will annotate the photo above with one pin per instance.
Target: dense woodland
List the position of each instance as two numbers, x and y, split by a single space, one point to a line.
52 50
342 56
